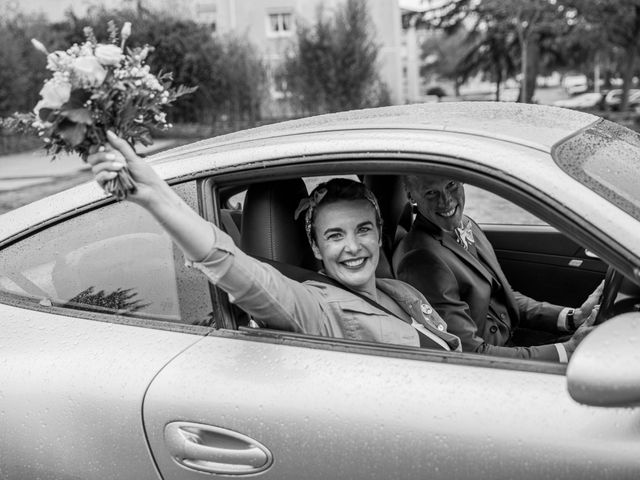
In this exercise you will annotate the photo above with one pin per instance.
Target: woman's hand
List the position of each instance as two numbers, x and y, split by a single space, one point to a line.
113 157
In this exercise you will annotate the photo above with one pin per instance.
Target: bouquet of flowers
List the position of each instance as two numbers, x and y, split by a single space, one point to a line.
97 87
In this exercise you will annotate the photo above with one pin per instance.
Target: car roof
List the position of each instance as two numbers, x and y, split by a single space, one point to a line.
535 126
539 126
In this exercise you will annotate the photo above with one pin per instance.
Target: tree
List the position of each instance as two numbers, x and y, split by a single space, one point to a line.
227 70
500 23
441 54
619 22
333 64
23 68
490 52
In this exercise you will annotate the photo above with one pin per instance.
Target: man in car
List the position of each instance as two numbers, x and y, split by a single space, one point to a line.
449 259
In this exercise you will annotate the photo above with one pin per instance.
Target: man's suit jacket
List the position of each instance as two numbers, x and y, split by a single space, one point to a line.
474 297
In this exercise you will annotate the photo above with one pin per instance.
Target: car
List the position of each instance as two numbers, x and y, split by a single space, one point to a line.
613 98
120 362
583 100
575 83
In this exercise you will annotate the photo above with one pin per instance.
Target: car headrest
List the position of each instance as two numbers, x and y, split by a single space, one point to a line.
269 229
394 206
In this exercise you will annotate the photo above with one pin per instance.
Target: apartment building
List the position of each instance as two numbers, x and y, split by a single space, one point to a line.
271 24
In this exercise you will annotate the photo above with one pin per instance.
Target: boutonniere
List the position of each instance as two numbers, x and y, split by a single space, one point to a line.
464 235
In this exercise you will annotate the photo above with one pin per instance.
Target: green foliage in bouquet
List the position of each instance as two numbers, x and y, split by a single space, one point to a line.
96 87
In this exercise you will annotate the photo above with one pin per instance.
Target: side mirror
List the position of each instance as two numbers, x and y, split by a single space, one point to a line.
604 370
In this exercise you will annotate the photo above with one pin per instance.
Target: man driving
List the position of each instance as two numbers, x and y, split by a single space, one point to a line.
448 258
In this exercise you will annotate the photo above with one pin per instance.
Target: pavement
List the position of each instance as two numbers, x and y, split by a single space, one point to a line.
35 167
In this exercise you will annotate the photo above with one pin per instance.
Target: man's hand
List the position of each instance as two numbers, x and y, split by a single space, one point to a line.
586 309
582 331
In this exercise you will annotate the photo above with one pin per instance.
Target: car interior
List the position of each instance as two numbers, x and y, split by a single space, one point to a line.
540 262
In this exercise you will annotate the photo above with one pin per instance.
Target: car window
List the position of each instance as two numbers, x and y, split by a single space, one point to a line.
605 158
115 259
488 208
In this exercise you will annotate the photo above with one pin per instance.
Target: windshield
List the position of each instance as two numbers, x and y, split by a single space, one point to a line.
605 158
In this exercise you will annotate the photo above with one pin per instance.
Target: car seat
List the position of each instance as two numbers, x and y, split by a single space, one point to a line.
269 230
396 215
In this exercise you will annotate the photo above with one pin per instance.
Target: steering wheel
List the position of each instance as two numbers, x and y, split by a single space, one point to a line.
612 282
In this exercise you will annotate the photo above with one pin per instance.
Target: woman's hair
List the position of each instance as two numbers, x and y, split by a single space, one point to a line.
335 190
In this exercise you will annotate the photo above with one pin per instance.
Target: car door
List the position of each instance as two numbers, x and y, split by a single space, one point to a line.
538 260
286 407
542 263
254 402
91 308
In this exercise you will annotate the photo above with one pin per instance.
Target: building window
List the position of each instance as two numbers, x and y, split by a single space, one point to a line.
206 14
280 24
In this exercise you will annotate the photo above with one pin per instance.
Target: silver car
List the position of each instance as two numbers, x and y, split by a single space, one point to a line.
117 361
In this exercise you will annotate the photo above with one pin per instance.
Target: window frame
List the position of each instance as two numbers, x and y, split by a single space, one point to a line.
280 32
511 189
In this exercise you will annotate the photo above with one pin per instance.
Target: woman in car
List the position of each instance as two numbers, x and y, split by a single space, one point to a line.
343 225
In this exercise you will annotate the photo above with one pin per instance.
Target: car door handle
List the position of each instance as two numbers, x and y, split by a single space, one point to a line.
215 450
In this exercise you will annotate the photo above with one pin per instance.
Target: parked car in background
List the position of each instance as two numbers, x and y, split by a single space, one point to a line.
574 84
613 99
119 362
583 100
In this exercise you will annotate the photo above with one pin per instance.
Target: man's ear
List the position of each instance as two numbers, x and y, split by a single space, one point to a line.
316 250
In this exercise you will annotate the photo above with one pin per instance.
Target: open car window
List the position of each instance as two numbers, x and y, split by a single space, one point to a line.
539 262
487 208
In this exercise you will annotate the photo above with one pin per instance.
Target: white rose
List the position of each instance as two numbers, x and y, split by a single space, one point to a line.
89 71
108 54
54 93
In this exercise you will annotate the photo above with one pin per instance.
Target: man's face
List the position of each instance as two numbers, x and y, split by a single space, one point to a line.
439 199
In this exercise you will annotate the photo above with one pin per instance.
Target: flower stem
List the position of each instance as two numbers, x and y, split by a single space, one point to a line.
122 185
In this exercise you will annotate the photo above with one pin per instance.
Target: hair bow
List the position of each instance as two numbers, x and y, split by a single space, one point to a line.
310 203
